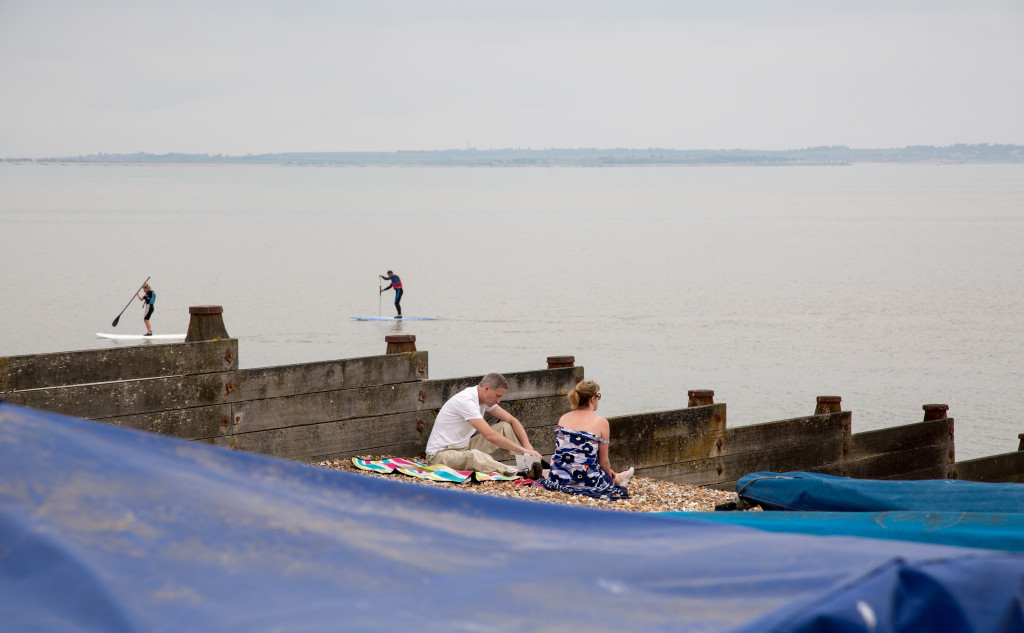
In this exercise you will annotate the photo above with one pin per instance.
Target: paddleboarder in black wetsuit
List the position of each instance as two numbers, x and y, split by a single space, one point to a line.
396 283
150 300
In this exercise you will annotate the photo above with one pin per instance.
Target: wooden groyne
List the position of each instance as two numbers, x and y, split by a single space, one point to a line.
308 412
695 446
386 405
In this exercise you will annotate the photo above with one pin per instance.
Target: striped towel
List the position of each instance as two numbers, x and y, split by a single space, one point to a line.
434 472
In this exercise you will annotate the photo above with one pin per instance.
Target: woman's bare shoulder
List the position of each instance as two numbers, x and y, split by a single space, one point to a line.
576 421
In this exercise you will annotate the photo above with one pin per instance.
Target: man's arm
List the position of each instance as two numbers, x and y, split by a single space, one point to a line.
517 427
500 440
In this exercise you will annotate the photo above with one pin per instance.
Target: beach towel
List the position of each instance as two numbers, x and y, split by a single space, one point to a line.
433 472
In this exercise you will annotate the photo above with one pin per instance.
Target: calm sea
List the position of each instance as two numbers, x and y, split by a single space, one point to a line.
892 286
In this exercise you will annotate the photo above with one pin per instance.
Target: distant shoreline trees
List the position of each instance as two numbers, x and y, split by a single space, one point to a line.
585 157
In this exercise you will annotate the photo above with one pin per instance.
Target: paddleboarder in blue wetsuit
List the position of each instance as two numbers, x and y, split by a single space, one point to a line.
396 283
149 301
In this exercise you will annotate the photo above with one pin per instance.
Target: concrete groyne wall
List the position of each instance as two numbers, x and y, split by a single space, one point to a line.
385 405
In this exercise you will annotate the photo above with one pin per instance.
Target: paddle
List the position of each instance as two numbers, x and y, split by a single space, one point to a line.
380 291
134 296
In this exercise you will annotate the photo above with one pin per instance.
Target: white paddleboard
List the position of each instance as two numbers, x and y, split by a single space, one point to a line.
383 318
139 337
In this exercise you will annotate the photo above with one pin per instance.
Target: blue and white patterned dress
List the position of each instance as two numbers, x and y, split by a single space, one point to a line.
575 469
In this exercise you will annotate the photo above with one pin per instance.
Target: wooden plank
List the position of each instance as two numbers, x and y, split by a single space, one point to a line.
662 438
327 406
836 468
331 375
691 422
378 435
194 423
783 458
38 371
729 468
541 383
699 472
542 438
398 435
811 443
827 428
931 472
536 412
914 464
129 397
797 444
895 464
134 397
668 450
1005 467
369 403
901 438
408 451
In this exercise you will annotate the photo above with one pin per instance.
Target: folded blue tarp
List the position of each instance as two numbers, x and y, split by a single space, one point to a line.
827 493
988 530
110 530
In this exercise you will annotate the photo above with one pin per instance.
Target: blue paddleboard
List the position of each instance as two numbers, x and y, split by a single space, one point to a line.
383 318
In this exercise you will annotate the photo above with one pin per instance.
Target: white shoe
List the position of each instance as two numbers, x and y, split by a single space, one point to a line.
624 477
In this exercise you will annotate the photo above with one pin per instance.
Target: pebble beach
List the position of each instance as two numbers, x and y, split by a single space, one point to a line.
645 495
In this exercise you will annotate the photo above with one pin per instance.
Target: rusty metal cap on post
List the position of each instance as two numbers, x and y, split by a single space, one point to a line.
700 397
400 343
935 411
555 362
828 404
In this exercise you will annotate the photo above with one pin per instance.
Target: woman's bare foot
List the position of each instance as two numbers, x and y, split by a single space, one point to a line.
621 479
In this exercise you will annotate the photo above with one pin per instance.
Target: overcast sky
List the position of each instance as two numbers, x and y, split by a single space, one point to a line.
227 77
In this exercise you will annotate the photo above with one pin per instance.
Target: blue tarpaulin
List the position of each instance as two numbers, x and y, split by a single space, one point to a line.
828 493
989 530
110 530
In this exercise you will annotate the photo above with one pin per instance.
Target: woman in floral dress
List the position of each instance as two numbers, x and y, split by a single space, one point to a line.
580 464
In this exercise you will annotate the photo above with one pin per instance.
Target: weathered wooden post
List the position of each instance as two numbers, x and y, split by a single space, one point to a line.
935 411
206 323
554 362
700 397
828 404
399 343
939 412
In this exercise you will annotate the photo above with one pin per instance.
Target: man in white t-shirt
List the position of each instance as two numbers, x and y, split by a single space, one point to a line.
462 440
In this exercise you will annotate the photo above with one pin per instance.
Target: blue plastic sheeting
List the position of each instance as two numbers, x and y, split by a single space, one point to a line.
827 493
965 529
109 530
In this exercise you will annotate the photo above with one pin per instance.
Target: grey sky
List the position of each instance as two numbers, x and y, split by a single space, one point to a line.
258 77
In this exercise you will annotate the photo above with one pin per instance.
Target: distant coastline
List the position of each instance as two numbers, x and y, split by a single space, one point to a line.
982 153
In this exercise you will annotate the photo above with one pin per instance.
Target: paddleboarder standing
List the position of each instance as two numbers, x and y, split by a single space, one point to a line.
149 299
396 283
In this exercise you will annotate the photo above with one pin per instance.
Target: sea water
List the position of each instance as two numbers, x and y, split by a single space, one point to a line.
892 286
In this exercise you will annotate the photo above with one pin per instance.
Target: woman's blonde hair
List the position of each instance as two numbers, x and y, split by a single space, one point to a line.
582 393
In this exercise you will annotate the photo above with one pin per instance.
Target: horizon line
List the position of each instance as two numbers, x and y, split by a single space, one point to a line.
513 149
